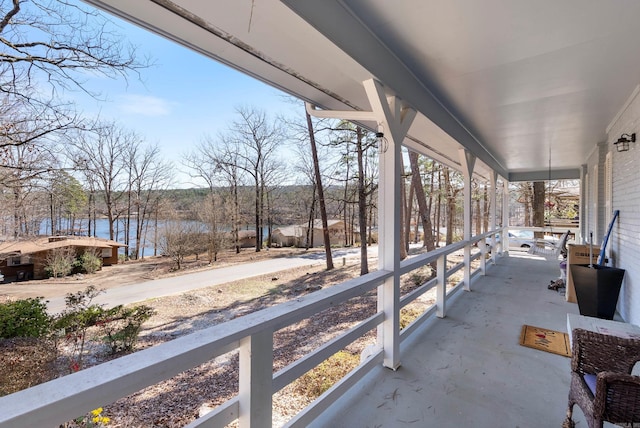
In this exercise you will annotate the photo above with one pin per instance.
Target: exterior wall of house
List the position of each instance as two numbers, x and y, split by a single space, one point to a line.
248 242
36 263
625 181
283 240
336 235
296 235
17 272
111 260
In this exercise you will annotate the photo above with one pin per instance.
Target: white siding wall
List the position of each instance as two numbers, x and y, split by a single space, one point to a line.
625 239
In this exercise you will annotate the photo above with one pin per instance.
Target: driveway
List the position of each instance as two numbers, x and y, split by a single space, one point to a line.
139 292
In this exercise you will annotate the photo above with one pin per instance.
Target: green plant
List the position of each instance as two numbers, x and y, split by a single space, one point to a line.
74 322
121 326
88 263
93 419
59 262
318 380
118 327
24 318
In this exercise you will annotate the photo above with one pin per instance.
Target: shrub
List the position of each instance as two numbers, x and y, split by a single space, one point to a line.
89 263
421 276
83 323
59 262
315 382
74 322
121 326
24 318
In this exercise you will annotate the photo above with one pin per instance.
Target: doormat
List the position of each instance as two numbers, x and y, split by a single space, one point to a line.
552 341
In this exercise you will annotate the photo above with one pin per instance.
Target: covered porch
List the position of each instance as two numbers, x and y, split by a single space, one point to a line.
547 104
468 369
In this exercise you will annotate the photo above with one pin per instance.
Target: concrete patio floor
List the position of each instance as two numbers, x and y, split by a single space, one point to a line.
468 369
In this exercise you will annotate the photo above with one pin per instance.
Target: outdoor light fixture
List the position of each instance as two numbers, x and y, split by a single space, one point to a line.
622 145
383 144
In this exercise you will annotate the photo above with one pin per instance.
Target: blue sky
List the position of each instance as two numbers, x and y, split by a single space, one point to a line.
180 99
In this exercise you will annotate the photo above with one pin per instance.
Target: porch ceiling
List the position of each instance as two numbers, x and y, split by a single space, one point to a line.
523 85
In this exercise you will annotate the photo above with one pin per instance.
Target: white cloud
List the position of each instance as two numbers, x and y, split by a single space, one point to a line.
145 105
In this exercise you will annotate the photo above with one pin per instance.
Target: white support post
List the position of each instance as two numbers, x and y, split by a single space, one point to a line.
395 122
389 200
256 378
483 256
467 160
493 201
505 216
441 286
583 221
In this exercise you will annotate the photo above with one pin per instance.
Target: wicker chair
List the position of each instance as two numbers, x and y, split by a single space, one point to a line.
601 381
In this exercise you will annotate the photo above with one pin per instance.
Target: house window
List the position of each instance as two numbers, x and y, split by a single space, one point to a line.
106 252
18 260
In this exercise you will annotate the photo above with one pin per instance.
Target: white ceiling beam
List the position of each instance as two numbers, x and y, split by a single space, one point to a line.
333 19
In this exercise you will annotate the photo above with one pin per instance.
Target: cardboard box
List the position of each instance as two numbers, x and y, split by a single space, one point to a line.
578 254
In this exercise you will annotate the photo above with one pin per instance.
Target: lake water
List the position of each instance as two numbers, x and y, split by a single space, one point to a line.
102 231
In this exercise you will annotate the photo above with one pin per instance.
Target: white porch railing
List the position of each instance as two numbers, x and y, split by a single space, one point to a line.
52 403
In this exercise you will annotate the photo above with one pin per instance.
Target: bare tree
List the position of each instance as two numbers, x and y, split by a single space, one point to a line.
305 166
26 123
423 208
216 237
323 209
257 140
101 156
362 201
23 170
538 204
148 174
404 223
216 162
180 238
59 43
452 189
360 147
48 47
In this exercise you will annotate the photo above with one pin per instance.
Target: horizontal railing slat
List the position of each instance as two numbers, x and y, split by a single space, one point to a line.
221 416
414 294
88 389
